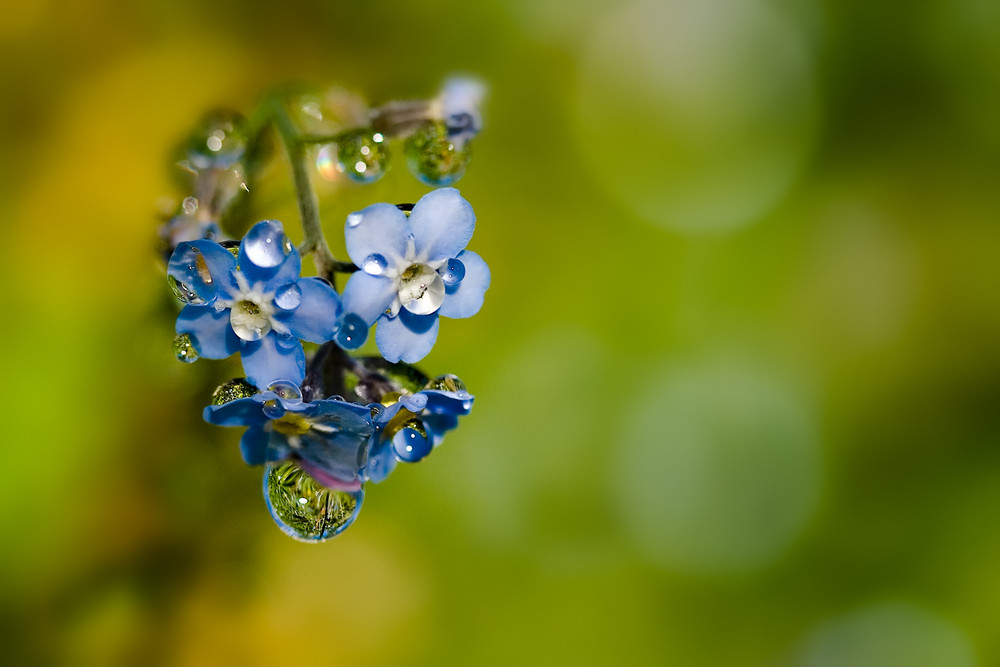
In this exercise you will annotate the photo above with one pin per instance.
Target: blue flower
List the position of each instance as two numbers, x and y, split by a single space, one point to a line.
409 429
329 438
460 101
254 303
412 270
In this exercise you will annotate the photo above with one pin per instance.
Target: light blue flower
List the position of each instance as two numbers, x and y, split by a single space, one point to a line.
255 304
329 438
412 270
460 101
409 429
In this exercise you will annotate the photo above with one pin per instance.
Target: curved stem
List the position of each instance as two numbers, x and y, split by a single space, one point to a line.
313 240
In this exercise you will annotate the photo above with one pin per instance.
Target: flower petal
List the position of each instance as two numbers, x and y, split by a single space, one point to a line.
379 229
253 446
202 268
213 335
265 361
315 318
241 412
406 337
466 298
438 425
267 255
381 461
368 296
336 446
442 224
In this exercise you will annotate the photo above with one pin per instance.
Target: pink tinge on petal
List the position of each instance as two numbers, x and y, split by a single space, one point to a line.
328 480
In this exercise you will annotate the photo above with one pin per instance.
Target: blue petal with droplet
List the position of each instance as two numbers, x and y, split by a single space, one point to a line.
368 296
448 402
264 361
442 223
406 337
241 412
204 267
315 318
214 337
379 229
466 298
267 255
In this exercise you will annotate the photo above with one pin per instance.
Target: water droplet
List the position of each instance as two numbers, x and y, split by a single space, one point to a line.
189 277
185 349
273 409
288 296
452 272
410 443
353 332
286 390
433 157
190 205
218 142
249 320
286 341
233 390
375 264
266 244
304 509
354 219
447 382
360 157
421 289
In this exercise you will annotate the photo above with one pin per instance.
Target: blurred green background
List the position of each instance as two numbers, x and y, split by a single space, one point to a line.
736 377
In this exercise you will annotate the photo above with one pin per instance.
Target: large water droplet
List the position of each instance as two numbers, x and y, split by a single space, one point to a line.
273 409
218 142
452 272
233 390
433 157
286 390
447 382
185 349
304 509
249 321
361 155
410 444
266 244
353 332
189 277
421 289
288 297
375 264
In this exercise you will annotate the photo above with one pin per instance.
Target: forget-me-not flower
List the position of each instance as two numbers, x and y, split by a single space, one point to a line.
413 269
255 304
329 438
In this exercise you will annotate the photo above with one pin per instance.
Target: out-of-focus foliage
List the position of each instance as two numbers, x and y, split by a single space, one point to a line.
737 375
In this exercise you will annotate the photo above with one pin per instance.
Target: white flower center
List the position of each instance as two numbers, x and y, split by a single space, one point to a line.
421 290
251 311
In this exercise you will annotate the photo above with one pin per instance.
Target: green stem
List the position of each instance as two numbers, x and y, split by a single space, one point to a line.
313 240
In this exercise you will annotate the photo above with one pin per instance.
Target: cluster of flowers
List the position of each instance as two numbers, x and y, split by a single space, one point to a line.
325 423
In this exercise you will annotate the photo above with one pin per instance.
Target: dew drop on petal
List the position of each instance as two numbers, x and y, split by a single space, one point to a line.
286 341
218 142
189 277
353 332
375 264
433 157
184 348
266 244
273 409
421 289
288 296
410 444
304 509
452 272
447 382
354 219
233 390
286 390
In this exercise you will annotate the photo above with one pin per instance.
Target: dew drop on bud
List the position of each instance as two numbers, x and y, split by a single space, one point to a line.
375 264
361 155
218 142
233 390
452 272
286 390
433 157
304 509
185 349
447 382
288 296
410 443
353 332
